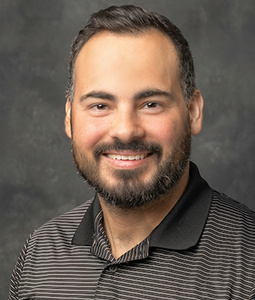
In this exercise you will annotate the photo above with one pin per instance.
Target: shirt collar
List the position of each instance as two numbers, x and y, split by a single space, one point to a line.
180 229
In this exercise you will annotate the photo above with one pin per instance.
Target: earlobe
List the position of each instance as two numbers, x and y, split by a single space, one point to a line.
196 112
68 118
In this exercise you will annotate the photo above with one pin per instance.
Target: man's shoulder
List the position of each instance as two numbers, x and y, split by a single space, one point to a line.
64 226
229 214
231 207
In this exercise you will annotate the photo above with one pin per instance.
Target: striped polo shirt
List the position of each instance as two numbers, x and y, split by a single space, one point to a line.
203 249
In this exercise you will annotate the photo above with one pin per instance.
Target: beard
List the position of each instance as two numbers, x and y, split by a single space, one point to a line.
130 191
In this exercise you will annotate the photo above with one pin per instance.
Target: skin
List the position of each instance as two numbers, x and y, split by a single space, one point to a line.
112 73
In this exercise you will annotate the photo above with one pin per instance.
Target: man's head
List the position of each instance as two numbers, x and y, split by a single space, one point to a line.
129 123
129 19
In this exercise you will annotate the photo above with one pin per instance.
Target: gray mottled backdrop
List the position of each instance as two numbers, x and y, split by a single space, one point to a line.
38 179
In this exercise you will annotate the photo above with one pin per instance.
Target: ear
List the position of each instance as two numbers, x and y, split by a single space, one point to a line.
195 108
68 109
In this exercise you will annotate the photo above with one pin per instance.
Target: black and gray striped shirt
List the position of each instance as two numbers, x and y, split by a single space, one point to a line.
203 249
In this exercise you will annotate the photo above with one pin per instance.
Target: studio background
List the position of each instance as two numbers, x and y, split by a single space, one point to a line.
38 178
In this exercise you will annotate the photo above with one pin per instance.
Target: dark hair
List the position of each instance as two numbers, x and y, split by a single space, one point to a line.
135 20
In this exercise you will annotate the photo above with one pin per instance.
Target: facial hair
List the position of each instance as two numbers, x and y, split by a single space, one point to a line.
130 191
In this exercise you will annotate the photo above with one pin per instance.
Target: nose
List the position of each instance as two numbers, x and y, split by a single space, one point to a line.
126 126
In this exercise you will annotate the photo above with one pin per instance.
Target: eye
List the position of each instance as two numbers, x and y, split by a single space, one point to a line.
98 109
151 105
100 106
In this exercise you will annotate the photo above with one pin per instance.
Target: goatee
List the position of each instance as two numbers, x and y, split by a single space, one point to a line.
130 191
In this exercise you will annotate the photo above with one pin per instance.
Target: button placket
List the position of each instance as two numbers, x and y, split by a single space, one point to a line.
112 269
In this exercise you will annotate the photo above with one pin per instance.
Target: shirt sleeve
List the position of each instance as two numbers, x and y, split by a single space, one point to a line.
17 273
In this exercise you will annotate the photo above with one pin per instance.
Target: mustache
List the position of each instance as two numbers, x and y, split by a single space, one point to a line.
132 146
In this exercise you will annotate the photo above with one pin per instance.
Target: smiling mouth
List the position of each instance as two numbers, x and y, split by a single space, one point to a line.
128 157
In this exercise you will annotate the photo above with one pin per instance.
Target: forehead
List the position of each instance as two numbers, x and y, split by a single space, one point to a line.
109 58
152 42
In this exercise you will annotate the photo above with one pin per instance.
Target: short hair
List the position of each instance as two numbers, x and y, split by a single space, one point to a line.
130 19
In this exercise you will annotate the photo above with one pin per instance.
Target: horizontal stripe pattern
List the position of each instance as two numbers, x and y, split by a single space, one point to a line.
220 266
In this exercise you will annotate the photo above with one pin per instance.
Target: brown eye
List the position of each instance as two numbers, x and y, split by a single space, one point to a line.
101 106
151 105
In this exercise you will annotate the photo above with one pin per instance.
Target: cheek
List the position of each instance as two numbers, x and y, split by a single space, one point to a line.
163 131
87 134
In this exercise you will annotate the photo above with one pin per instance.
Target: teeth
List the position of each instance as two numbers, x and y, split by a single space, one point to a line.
126 157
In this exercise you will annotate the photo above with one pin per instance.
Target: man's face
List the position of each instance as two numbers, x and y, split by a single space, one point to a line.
129 124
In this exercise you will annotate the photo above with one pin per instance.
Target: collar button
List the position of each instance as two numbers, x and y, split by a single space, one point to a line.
112 269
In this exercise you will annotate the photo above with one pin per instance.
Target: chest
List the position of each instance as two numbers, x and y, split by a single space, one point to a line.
162 275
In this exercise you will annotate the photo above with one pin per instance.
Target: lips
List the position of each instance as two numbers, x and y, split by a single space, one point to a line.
127 152
127 157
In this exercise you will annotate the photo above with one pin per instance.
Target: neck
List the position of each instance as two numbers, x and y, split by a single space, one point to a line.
125 228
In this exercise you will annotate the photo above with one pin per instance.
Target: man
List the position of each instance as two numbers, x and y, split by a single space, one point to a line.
155 229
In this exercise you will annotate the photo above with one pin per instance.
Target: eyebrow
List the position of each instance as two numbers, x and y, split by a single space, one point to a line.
99 95
151 93
138 96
